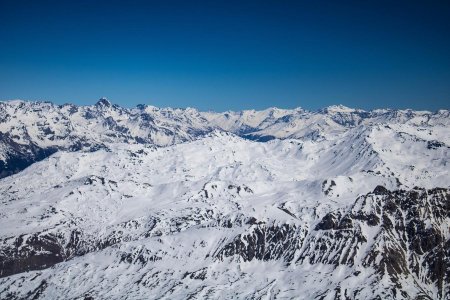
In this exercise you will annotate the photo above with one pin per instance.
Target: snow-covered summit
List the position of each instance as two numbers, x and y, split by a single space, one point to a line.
103 102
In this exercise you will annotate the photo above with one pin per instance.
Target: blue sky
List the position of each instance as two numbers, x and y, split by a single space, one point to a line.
222 55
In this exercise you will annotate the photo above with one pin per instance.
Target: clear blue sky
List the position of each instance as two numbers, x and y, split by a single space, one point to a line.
224 55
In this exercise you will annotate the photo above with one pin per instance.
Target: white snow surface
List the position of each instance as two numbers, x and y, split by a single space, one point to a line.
167 197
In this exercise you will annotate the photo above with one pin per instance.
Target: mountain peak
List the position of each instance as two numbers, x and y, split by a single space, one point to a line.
103 102
338 108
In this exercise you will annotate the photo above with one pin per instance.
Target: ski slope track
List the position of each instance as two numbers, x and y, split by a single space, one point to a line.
105 202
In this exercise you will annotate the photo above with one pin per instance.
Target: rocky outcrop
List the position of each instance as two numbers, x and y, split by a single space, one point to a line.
410 236
265 242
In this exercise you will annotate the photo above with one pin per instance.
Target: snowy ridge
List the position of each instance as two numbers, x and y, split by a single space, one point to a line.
181 204
31 131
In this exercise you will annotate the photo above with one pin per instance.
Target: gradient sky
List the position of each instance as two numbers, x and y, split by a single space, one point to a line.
222 55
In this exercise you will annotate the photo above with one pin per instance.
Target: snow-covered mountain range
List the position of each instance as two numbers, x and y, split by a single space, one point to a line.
104 202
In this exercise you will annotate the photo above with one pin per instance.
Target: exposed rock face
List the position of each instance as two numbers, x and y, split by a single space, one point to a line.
265 243
34 253
411 237
410 240
19 156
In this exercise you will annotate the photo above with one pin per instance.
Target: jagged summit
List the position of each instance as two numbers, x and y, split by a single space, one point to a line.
103 102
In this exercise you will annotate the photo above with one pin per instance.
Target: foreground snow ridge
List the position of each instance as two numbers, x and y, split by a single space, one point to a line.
104 202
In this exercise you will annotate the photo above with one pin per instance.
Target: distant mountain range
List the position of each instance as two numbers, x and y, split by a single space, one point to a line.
31 131
105 202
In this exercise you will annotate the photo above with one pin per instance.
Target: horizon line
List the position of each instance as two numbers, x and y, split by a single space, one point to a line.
223 111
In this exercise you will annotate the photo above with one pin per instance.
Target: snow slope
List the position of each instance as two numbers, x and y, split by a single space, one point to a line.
179 204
